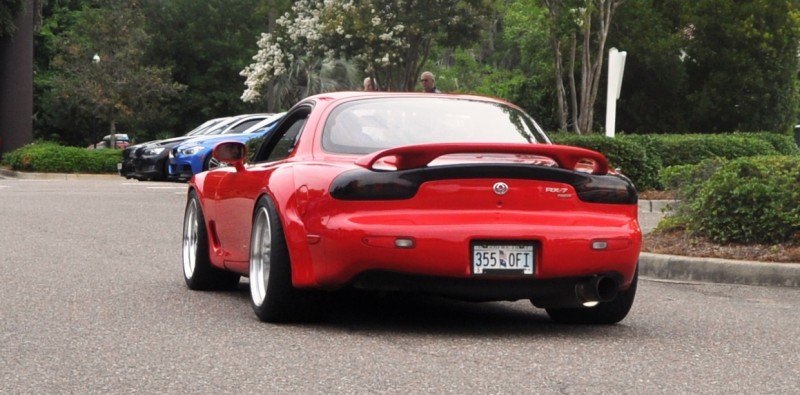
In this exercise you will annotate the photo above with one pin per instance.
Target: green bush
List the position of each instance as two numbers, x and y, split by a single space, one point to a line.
783 143
746 200
694 148
48 157
629 156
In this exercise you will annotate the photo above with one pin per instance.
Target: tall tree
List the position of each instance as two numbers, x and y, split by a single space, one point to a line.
8 12
206 44
742 62
389 39
510 60
100 69
579 29
655 84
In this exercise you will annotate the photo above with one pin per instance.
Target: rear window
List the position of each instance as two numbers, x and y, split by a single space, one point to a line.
366 126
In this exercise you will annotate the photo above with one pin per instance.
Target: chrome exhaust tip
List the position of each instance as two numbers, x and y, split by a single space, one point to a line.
596 290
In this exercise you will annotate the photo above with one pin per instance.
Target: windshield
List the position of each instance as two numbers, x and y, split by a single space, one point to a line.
366 126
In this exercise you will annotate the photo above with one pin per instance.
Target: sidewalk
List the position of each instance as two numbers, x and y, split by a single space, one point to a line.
5 173
668 267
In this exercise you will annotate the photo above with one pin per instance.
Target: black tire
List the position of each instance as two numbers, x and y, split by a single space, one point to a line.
198 273
605 313
272 295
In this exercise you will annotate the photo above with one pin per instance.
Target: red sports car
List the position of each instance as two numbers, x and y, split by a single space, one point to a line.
453 195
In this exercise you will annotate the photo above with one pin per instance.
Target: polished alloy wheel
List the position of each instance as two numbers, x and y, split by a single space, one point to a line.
260 257
213 163
190 239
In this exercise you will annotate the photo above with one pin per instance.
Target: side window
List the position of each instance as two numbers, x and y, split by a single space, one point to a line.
280 143
286 144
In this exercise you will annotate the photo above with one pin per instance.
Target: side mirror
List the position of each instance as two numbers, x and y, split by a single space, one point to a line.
233 153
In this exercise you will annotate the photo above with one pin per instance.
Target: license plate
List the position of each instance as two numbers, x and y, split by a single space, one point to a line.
119 166
502 258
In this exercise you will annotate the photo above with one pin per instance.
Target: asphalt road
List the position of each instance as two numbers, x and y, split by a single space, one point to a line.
93 302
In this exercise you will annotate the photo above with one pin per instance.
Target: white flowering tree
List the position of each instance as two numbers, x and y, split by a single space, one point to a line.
389 40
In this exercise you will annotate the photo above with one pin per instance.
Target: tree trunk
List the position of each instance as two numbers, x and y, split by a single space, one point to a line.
572 88
591 51
112 141
554 11
270 29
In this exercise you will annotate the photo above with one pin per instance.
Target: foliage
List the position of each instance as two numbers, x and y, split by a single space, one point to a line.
742 64
783 143
651 160
205 44
389 39
50 157
746 200
116 85
578 33
688 149
8 13
507 61
655 82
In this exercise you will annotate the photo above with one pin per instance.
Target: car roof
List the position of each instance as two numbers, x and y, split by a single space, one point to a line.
205 125
261 124
228 122
349 95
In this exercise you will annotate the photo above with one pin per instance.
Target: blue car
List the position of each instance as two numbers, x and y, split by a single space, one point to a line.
194 156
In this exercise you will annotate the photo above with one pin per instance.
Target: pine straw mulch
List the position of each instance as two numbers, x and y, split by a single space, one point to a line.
677 243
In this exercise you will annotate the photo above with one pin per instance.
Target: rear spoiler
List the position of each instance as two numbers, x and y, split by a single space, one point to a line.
418 156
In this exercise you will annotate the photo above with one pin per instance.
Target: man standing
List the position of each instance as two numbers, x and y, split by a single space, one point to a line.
368 87
428 82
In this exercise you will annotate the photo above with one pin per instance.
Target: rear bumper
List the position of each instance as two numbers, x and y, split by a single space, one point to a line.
544 293
442 246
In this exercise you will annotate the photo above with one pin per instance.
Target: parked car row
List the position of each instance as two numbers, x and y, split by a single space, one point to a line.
178 158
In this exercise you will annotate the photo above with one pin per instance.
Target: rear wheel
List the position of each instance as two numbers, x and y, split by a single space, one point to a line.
605 313
272 295
198 273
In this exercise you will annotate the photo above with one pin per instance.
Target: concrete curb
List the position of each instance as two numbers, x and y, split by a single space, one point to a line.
656 206
717 270
55 176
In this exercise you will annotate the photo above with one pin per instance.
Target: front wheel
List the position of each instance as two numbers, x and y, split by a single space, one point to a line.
198 273
211 163
605 313
272 295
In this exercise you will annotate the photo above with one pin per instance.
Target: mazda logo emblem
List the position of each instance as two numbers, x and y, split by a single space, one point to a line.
500 188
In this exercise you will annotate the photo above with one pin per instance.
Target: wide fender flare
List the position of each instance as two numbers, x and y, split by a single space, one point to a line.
282 187
197 183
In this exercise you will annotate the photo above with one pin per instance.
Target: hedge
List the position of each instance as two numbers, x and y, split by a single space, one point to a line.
746 200
48 157
656 152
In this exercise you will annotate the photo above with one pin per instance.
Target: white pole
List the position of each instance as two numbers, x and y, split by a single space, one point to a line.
616 68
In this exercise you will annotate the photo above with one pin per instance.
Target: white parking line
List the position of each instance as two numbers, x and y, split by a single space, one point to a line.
166 187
